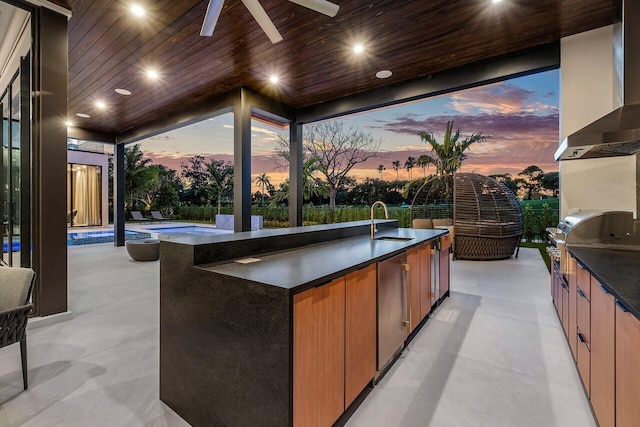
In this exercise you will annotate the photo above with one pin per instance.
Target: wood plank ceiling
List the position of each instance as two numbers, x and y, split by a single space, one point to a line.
109 48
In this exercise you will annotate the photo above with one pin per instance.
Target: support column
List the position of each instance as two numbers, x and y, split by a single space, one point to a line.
242 163
50 163
118 195
296 189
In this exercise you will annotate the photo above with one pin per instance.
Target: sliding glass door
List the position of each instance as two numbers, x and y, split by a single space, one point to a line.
15 104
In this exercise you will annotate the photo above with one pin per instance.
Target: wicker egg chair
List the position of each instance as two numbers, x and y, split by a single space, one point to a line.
487 218
434 199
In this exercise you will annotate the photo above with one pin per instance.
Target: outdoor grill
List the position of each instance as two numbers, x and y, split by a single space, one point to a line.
593 229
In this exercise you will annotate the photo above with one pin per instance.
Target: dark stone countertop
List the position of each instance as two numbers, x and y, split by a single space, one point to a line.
307 266
617 270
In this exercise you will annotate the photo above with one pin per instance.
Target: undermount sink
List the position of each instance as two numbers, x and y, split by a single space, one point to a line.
394 238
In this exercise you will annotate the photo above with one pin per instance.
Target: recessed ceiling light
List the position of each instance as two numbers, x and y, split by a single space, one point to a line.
383 74
152 74
358 48
496 1
83 115
101 105
68 123
274 79
123 92
137 10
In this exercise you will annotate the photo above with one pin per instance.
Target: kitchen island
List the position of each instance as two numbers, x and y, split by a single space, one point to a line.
280 327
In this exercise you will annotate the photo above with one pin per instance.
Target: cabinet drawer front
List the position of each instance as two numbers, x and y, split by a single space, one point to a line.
584 316
584 280
584 365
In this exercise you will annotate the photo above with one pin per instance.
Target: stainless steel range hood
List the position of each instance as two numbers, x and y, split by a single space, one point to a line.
617 133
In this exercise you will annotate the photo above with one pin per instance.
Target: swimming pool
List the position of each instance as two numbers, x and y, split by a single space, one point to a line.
104 236
191 229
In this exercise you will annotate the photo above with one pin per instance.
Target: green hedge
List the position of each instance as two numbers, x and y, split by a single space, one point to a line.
536 218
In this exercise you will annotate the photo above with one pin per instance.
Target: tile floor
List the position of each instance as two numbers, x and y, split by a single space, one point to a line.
492 355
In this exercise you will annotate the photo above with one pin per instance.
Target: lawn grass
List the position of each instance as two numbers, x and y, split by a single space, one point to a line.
542 247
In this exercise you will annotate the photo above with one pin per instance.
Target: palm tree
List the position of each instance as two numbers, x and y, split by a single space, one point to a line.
220 177
449 155
409 165
423 162
380 169
396 167
263 181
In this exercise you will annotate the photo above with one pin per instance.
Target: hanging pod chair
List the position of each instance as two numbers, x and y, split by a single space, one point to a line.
487 217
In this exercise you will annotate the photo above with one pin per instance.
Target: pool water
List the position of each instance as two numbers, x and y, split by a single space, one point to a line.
193 229
103 236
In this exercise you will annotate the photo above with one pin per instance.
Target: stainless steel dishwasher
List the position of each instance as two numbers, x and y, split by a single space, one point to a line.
393 308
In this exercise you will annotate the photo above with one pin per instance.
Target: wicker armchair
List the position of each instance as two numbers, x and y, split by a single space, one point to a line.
15 291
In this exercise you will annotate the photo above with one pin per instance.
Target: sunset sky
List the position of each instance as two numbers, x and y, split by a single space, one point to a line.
520 116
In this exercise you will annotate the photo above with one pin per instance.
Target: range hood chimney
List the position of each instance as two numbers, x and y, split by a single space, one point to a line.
617 133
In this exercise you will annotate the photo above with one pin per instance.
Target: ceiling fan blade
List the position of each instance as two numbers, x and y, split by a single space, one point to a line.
256 9
323 6
211 17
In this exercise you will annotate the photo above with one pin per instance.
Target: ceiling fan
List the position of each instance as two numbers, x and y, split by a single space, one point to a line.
257 11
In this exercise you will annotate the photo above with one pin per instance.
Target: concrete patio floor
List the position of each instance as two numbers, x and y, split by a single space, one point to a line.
493 355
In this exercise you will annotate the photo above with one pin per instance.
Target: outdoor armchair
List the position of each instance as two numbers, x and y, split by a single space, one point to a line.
15 291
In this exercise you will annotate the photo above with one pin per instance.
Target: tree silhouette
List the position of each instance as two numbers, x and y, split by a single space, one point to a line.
380 169
449 155
423 162
263 181
338 150
532 180
396 167
409 164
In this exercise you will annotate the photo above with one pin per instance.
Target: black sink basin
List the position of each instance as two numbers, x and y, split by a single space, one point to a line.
394 238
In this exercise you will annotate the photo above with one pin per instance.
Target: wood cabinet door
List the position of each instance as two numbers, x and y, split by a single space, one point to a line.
583 279
318 355
627 369
603 359
444 266
424 254
583 360
413 259
360 330
572 316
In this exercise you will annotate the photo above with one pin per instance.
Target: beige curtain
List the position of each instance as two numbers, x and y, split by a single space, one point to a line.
87 197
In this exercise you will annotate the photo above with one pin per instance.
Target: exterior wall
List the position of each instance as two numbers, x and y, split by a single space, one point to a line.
589 89
95 159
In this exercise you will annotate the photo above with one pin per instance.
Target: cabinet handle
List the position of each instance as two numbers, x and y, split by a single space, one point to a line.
621 307
581 293
581 338
603 289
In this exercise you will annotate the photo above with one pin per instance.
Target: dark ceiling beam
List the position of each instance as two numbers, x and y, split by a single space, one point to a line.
90 135
262 107
269 109
529 61
221 104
